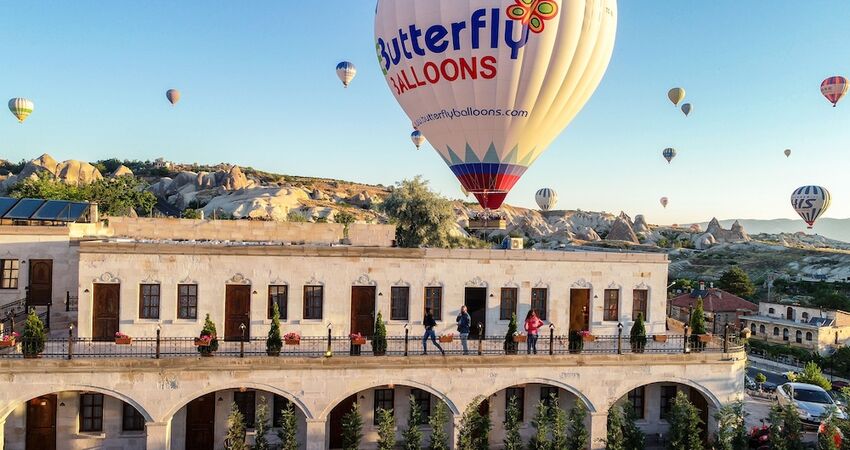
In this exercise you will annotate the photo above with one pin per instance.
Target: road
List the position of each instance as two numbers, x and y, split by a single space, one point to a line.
772 377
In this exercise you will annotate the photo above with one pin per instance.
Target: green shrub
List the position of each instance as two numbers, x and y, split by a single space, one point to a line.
637 335
273 342
32 341
379 339
510 346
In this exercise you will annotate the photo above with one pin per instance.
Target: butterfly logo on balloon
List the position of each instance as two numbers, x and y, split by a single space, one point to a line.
533 13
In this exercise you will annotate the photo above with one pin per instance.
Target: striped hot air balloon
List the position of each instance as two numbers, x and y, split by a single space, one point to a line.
346 72
810 202
669 154
173 96
21 108
546 199
834 88
417 138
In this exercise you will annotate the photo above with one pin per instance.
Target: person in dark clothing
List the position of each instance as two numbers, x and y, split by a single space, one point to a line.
430 323
464 322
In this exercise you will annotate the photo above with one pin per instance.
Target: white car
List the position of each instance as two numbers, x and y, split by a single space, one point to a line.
812 402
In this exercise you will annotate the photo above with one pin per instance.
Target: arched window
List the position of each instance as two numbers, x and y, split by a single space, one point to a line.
753 328
789 313
761 329
776 331
808 335
799 337
805 316
771 311
785 334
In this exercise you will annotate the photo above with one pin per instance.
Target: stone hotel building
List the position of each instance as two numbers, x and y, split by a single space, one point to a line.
155 280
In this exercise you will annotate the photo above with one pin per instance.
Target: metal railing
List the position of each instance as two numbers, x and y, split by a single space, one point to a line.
410 346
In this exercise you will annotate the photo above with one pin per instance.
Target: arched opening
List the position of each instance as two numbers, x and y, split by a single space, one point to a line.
75 420
808 335
776 331
753 328
805 317
785 334
388 397
798 336
652 403
789 313
202 423
761 329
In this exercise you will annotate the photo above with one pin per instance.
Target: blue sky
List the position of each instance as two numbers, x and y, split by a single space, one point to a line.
259 89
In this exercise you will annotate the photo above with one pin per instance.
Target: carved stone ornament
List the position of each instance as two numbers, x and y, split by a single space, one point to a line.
582 284
476 282
401 282
107 277
238 279
364 280
314 282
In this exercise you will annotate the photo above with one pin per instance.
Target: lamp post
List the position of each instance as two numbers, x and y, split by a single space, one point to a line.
158 337
70 340
619 338
551 339
329 352
242 341
406 336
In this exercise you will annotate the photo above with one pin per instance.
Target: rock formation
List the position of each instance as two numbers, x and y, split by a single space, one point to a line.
640 227
264 203
121 171
735 234
622 231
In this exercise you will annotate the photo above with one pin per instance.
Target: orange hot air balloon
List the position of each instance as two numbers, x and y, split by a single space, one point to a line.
173 96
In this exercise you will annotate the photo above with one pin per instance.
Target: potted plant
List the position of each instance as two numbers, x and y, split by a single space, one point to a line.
586 336
9 340
292 338
699 335
637 335
273 342
32 341
447 338
510 346
346 219
518 338
207 343
576 343
122 339
357 339
379 339
659 338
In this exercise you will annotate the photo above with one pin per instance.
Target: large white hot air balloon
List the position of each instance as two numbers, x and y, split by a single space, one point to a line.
810 202
546 199
21 108
493 82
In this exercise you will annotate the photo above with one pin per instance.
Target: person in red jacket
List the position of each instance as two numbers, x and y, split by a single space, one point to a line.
532 324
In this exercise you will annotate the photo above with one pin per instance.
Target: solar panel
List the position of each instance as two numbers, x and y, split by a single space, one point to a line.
24 209
50 210
74 212
6 204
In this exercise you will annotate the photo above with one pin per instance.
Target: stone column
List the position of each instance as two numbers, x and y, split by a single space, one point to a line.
158 435
453 437
316 434
2 434
598 430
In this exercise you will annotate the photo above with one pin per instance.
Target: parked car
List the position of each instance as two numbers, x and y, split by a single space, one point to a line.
838 385
749 383
768 387
812 402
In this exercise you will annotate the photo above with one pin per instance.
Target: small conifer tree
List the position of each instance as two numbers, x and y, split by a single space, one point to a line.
685 424
273 342
512 441
352 428
386 429
542 422
235 437
32 341
578 435
438 421
616 438
262 425
510 345
413 435
379 339
474 432
288 432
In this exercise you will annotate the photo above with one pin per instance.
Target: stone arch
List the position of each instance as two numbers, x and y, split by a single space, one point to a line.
185 399
712 399
326 411
591 408
18 400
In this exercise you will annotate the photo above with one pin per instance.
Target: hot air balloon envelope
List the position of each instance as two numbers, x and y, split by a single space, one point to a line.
346 72
676 95
417 138
669 154
546 199
810 202
664 201
21 108
834 88
493 82
687 108
787 152
173 96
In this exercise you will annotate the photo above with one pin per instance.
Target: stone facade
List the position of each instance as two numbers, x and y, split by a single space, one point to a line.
814 329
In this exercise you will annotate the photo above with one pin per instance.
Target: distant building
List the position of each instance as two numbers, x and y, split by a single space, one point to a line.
720 307
815 329
161 163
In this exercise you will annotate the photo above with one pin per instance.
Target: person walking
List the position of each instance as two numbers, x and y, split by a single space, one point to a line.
430 323
464 321
532 324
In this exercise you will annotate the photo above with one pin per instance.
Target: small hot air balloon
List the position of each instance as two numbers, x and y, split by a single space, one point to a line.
787 152
676 95
664 201
417 138
834 88
810 202
346 72
669 154
687 108
546 199
173 96
21 108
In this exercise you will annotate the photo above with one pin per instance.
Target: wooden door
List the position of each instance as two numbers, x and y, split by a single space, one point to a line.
475 300
237 311
40 287
579 309
335 421
41 423
363 310
200 423
105 307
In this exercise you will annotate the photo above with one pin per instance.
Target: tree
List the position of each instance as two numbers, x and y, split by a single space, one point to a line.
386 429
542 423
558 425
776 438
422 218
412 436
191 213
616 438
288 431
732 428
439 419
510 346
352 428
637 335
761 379
379 339
273 342
578 435
512 441
812 374
736 281
685 424
635 439
32 341
209 330
697 324
474 430
235 437
792 427
346 219
261 425
121 196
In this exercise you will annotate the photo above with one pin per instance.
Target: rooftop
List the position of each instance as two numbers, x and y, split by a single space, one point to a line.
714 300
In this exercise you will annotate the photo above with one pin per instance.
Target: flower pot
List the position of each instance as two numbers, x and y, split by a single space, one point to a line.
358 341
660 338
9 343
520 338
446 339
292 341
32 355
588 338
704 338
123 340
200 343
273 352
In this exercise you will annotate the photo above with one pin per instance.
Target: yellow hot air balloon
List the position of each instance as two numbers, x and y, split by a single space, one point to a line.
21 108
676 95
